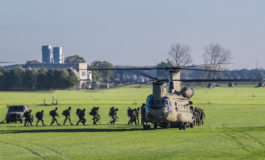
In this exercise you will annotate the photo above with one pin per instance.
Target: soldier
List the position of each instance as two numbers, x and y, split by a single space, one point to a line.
137 113
81 115
114 115
143 114
111 112
133 116
39 116
28 119
54 115
94 113
67 113
129 113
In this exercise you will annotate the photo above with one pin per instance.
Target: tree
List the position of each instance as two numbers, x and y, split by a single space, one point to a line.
164 73
74 59
30 79
14 78
216 56
180 55
95 74
106 75
32 62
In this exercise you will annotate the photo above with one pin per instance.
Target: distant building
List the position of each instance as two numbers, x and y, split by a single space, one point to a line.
47 57
58 57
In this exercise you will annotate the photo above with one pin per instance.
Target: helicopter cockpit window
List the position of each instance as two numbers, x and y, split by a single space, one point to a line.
166 102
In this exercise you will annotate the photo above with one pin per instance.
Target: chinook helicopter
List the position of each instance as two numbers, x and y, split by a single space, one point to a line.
169 105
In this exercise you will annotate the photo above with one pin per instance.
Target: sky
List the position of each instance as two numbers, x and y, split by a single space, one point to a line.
136 32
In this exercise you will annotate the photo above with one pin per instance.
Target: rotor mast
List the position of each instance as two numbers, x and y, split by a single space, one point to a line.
174 86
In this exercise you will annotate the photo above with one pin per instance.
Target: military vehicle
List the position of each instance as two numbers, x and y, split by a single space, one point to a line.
169 105
15 113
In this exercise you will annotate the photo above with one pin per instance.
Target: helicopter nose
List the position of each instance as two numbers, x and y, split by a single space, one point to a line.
157 115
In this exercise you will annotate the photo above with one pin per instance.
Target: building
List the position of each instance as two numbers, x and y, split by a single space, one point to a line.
47 56
58 57
84 75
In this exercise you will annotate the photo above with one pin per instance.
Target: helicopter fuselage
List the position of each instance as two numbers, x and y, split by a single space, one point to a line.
170 108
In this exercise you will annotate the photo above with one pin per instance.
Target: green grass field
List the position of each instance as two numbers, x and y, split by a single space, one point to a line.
234 127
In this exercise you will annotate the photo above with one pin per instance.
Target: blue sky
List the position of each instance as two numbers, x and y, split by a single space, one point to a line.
137 32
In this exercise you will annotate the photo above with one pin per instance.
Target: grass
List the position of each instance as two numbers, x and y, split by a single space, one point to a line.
234 127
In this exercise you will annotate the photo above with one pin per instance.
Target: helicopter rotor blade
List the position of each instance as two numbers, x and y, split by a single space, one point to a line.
143 74
6 62
216 80
150 68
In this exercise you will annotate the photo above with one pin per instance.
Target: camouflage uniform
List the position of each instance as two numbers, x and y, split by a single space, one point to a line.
96 116
27 116
129 113
143 114
39 116
54 115
113 115
81 116
67 113
133 116
137 119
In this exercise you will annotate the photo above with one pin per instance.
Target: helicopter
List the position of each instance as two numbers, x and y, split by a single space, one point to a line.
169 105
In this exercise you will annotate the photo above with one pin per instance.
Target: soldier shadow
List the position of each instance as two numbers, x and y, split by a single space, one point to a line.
68 130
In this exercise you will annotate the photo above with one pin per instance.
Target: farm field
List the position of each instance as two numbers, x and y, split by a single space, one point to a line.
234 127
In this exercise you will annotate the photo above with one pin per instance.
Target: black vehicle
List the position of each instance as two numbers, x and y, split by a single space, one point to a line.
15 113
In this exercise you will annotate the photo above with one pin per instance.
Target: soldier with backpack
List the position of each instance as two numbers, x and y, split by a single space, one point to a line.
39 116
28 118
54 115
143 114
67 113
113 114
81 115
94 113
129 114
137 113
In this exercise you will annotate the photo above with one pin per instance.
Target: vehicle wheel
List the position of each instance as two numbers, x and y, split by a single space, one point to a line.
155 125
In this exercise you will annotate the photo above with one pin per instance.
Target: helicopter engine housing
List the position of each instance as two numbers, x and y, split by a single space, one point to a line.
187 92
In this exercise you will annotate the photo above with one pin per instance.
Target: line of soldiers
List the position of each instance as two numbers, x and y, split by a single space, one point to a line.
198 115
67 114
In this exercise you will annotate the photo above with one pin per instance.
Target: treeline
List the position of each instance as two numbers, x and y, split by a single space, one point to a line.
114 76
33 79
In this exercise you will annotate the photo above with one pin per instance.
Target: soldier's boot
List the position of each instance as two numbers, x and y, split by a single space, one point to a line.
71 122
58 123
84 121
64 121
